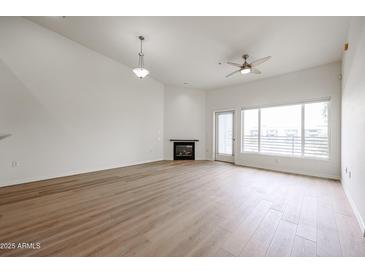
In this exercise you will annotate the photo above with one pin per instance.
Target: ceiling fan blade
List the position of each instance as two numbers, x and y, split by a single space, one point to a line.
232 73
260 61
255 71
234 64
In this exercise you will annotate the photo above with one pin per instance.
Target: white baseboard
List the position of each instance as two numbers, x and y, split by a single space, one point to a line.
70 173
354 209
288 171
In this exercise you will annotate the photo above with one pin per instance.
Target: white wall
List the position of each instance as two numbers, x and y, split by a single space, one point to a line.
70 109
59 99
184 118
315 83
353 119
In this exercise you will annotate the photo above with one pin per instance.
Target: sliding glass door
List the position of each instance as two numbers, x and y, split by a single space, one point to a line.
224 137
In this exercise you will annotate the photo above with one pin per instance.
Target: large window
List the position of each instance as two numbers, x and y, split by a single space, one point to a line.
295 130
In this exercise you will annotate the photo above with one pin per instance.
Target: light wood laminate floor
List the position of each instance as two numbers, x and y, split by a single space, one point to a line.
180 208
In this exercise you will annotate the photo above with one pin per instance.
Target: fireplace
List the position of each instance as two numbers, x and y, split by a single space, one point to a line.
184 150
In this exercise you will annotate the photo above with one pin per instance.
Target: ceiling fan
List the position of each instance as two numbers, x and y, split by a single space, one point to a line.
246 68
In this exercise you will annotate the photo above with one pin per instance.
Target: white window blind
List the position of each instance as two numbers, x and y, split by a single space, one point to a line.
299 130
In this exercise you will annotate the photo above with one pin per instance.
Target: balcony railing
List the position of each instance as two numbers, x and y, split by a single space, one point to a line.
313 146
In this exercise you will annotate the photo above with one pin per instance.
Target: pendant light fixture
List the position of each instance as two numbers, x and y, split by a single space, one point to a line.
140 71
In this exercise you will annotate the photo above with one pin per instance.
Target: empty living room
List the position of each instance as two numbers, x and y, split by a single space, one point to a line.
182 136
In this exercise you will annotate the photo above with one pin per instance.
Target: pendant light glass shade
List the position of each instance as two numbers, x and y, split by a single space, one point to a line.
140 71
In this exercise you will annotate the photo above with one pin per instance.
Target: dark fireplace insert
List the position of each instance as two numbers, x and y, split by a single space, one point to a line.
184 150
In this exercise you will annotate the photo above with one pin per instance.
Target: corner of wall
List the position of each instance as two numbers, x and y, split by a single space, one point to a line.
184 117
352 115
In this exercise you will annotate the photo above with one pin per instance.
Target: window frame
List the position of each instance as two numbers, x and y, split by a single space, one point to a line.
302 104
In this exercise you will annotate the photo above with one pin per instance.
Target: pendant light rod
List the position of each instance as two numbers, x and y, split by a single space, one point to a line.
141 38
140 54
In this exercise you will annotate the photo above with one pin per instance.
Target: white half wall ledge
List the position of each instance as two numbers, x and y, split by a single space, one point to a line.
3 136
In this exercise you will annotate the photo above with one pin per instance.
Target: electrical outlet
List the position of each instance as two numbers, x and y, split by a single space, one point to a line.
346 170
14 164
350 174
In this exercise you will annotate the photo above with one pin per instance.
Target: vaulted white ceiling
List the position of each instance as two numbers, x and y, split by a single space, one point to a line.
182 50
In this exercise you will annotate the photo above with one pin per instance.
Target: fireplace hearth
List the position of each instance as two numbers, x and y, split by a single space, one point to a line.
184 149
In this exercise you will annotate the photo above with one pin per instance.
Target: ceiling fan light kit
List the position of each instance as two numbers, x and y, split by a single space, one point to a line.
140 71
247 68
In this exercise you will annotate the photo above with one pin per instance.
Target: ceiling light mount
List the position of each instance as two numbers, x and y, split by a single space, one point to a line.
140 71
